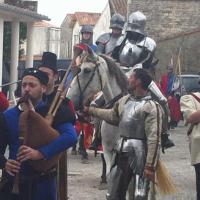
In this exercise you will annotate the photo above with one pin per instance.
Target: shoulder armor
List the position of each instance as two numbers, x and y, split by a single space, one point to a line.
103 38
120 40
149 43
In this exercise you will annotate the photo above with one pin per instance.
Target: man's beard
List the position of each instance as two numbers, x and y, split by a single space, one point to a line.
27 96
131 90
117 32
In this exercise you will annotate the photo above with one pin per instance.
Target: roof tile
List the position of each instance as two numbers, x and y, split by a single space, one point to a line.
119 7
87 18
45 24
26 12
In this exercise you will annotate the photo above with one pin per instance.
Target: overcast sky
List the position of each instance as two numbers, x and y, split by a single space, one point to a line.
57 10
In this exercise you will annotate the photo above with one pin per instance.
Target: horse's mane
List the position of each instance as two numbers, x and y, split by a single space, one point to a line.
116 72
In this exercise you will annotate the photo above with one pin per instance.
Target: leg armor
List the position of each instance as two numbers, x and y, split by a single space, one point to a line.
120 178
130 160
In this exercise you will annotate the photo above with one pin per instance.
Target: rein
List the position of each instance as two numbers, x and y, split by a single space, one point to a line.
90 80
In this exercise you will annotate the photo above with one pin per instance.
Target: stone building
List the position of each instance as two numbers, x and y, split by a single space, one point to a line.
173 24
70 28
166 17
66 31
187 45
46 39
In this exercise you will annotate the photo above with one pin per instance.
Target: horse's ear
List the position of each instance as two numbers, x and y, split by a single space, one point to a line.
92 55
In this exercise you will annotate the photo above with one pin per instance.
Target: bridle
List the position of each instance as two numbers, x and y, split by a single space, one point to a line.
96 68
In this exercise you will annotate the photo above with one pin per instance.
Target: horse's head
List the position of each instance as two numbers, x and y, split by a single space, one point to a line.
89 81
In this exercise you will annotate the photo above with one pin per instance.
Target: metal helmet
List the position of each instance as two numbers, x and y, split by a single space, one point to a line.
117 21
169 65
136 23
87 29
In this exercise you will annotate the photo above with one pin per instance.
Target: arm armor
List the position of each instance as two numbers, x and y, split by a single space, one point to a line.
100 48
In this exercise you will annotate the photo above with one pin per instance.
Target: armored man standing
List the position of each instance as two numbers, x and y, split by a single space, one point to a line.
140 127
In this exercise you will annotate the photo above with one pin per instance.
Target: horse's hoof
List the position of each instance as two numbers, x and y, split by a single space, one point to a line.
103 186
84 161
73 152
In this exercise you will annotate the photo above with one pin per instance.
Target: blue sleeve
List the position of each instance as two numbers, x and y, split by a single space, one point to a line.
67 139
94 47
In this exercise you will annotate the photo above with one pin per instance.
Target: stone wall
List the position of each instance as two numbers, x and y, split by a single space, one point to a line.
103 24
45 39
166 17
28 5
168 48
66 38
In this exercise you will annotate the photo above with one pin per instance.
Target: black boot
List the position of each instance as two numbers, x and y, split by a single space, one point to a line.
166 142
94 145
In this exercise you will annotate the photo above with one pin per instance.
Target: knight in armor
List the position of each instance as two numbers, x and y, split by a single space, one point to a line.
135 47
33 184
140 126
107 42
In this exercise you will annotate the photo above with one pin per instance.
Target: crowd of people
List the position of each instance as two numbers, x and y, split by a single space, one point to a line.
142 117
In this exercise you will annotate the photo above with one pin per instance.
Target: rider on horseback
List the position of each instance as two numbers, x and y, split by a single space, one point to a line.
87 39
136 50
107 42
135 47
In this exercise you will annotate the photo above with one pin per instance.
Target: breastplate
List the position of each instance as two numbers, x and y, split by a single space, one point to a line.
130 54
110 45
132 125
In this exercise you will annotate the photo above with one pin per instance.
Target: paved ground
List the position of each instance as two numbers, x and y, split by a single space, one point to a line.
84 178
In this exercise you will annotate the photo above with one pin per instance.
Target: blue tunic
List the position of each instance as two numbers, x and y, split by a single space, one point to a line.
67 139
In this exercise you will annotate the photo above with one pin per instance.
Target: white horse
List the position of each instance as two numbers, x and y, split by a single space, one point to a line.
99 73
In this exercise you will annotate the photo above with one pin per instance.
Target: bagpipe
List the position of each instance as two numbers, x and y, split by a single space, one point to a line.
36 131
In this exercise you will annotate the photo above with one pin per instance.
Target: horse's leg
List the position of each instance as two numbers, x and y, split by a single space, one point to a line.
82 150
110 136
103 176
103 184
